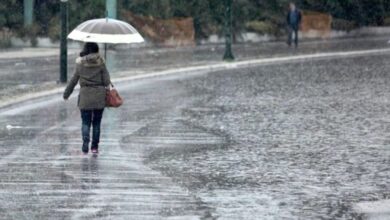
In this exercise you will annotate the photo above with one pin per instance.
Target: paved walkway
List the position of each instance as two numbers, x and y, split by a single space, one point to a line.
32 52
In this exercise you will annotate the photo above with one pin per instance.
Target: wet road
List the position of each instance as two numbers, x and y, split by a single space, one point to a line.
299 140
25 74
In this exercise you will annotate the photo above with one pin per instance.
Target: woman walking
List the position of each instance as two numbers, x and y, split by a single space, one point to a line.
93 77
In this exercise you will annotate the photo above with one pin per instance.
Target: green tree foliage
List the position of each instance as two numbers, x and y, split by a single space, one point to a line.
11 13
363 12
80 11
47 14
207 14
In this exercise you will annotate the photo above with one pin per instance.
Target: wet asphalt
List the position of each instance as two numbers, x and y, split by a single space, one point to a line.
291 140
23 75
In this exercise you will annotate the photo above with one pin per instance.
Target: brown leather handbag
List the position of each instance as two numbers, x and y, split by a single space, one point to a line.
113 98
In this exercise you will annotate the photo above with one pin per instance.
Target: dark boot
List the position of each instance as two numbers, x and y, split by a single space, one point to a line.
86 116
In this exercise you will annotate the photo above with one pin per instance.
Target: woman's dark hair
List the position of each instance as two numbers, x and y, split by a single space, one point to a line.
89 48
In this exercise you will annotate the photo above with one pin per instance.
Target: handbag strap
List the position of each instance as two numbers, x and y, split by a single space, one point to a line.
101 76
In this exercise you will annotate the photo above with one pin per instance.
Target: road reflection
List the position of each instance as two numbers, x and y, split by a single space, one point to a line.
90 173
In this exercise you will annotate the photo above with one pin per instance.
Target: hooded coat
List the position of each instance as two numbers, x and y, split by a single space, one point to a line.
93 77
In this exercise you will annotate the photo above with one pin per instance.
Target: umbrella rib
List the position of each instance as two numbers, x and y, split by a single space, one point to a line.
123 29
93 28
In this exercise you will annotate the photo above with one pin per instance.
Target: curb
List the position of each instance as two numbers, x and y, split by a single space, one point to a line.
208 68
32 53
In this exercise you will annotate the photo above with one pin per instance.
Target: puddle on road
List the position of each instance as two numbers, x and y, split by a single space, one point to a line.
375 210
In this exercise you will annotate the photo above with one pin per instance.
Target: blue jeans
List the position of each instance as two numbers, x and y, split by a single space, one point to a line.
293 30
94 118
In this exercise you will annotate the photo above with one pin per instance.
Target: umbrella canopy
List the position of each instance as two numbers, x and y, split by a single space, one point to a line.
106 30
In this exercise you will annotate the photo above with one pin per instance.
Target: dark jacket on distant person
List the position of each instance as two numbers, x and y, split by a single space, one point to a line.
93 77
294 18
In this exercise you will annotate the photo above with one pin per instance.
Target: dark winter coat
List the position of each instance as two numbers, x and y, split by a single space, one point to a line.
93 77
294 18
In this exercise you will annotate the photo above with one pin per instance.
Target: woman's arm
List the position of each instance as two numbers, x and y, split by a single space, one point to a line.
72 83
106 76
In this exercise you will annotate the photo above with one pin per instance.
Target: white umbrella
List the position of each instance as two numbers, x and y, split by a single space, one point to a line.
106 30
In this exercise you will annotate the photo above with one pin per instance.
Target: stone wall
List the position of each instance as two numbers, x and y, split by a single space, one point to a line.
316 25
169 32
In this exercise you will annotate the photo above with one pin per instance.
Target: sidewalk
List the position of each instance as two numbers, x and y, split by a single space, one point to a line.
32 52
28 71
